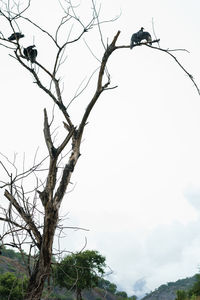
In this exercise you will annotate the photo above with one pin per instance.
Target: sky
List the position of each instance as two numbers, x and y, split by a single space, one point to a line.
136 187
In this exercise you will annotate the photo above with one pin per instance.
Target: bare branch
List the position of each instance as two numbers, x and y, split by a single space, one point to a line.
154 32
47 135
98 23
8 220
25 217
41 29
78 93
100 86
65 142
180 65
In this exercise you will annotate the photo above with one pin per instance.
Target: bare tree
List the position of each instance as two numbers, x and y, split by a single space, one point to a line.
32 213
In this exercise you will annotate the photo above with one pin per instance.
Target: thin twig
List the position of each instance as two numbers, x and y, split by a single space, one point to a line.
180 65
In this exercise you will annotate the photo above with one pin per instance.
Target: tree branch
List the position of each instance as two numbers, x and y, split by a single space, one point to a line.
180 65
25 217
47 135
100 86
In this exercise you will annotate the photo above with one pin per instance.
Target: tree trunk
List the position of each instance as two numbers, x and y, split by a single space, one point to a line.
78 295
42 268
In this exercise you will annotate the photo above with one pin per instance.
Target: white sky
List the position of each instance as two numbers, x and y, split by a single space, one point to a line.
138 179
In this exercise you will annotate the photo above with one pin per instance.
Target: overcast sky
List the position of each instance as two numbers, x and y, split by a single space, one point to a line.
137 183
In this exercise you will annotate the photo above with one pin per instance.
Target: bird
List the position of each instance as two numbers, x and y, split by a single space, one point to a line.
30 53
136 37
15 36
146 36
140 33
139 36
27 51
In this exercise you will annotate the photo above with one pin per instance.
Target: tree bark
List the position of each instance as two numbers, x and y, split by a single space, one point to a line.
43 266
78 295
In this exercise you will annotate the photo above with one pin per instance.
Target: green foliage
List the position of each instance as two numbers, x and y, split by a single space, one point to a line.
181 295
87 260
104 284
122 294
107 285
132 297
80 271
13 255
112 288
195 290
193 297
8 252
11 287
164 290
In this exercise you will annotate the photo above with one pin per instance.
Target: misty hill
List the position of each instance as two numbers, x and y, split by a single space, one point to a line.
168 291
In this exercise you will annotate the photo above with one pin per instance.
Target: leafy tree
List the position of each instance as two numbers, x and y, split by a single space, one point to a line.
103 283
80 271
107 285
11 287
112 288
122 294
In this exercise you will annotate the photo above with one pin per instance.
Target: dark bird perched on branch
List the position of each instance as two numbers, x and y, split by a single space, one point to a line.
30 53
16 36
139 36
146 36
136 37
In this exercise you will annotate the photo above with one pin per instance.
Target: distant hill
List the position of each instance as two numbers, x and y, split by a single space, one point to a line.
11 265
168 291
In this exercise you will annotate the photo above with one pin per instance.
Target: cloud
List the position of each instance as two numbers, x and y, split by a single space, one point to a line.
159 254
159 245
192 194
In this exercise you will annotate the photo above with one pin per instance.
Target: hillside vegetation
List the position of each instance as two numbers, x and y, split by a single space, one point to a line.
12 262
169 291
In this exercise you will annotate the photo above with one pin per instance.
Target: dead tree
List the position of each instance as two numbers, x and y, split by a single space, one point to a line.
45 197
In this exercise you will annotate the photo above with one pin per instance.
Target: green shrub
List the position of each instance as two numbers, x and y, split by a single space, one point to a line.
11 287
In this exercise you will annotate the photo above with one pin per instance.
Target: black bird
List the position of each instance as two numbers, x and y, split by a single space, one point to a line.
30 53
146 36
27 51
16 36
136 37
139 36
